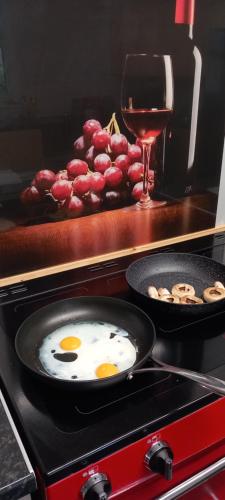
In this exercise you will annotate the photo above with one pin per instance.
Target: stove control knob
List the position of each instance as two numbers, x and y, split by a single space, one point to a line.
97 487
159 458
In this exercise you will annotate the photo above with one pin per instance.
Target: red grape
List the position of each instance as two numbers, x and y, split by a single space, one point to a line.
135 172
81 184
61 190
44 179
102 162
118 144
30 195
89 127
73 206
89 156
97 182
137 191
112 198
122 162
76 167
134 153
93 201
113 176
101 140
80 147
62 176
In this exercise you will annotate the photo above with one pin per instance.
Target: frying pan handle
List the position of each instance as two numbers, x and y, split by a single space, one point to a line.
214 384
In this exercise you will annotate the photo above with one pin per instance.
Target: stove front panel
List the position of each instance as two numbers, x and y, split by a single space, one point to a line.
195 445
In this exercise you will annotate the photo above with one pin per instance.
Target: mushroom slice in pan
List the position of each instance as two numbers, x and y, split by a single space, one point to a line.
163 291
191 300
218 284
152 292
182 290
172 299
212 294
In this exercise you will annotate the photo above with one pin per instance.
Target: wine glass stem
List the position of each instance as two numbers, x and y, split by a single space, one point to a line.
146 161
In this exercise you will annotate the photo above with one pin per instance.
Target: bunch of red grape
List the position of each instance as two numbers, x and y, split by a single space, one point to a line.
107 172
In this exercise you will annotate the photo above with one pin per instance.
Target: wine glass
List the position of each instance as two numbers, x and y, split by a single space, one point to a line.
146 106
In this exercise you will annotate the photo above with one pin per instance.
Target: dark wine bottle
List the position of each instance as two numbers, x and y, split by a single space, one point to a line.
177 147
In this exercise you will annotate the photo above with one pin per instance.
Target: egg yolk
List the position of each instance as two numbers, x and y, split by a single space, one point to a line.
70 343
106 370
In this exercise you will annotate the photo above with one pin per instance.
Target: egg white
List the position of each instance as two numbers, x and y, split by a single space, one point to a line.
96 348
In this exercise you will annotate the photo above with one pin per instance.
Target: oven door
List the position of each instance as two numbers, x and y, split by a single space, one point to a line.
206 484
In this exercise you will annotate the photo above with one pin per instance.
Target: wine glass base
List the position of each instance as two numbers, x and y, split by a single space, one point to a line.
150 204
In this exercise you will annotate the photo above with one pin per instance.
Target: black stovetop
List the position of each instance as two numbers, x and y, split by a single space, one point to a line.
66 431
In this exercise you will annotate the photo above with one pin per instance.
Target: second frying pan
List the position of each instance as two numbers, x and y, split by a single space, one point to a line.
167 269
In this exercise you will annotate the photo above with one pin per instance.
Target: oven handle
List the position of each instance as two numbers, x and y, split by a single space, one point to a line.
193 481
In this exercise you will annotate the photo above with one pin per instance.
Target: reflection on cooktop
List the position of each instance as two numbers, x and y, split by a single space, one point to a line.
199 346
74 410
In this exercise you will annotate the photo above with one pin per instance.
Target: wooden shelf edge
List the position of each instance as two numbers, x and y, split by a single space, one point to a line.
46 271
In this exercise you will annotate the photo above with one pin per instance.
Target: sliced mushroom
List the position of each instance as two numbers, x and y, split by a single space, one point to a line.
182 290
152 292
212 294
218 284
170 298
191 300
163 291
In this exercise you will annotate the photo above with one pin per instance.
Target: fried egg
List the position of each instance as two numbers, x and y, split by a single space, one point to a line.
87 350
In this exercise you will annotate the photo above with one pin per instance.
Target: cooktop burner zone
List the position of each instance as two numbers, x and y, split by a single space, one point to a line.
72 436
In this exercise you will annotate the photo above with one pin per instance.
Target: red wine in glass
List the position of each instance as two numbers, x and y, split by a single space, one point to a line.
146 105
146 123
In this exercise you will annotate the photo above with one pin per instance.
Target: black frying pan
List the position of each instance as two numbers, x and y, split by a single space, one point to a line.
118 312
167 269
47 319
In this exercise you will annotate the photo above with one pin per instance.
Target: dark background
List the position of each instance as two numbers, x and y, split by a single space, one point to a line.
61 63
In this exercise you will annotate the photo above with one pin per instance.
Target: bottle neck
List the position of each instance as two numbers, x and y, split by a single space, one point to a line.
190 31
184 15
186 30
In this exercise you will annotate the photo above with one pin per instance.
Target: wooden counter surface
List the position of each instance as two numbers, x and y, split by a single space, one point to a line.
52 247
